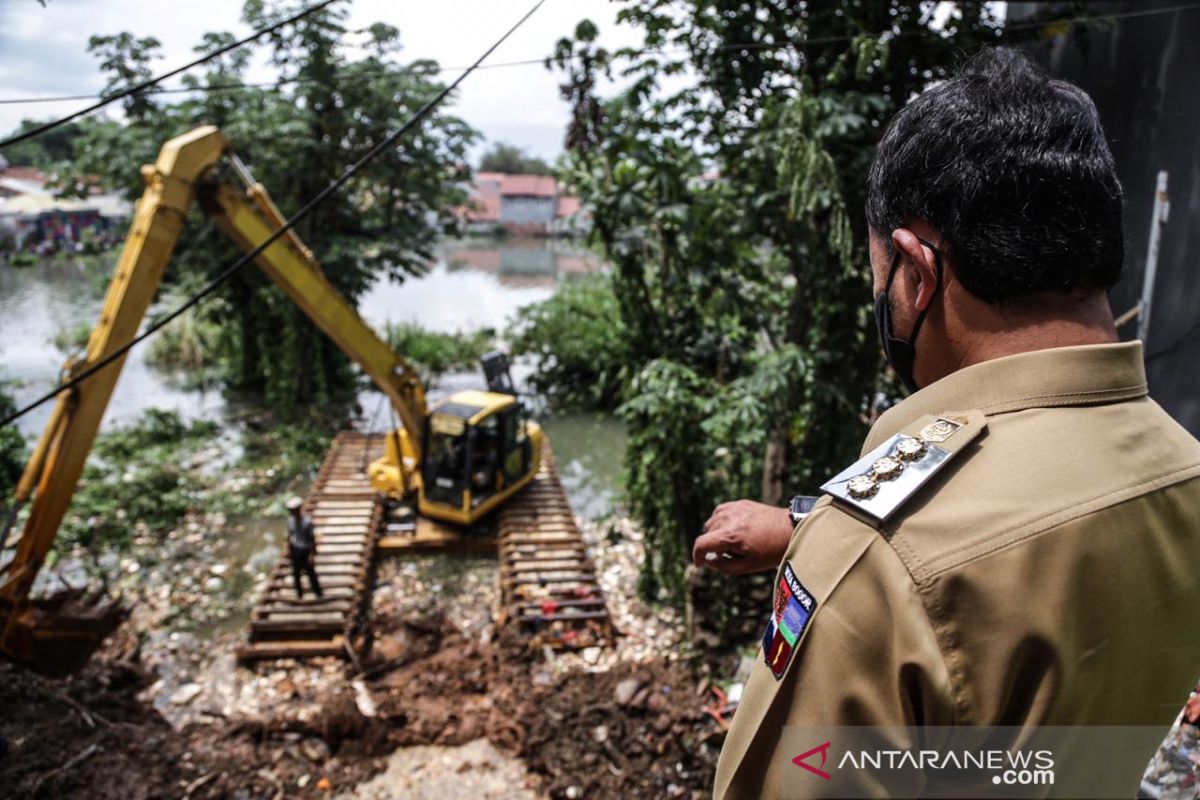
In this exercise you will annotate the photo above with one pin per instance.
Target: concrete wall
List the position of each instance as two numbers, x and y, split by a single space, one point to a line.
524 210
1144 74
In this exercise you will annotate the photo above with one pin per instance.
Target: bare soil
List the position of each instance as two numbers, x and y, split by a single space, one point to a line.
631 731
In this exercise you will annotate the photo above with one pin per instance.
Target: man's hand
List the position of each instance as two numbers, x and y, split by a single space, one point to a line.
743 537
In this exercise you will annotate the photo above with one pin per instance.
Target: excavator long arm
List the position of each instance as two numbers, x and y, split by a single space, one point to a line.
249 217
185 170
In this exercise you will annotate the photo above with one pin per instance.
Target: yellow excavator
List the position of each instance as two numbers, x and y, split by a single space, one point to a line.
459 460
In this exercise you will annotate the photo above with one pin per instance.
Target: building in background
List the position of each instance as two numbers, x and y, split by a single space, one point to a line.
1142 71
32 218
16 181
529 205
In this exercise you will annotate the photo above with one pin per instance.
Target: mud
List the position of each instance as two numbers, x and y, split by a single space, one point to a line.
90 736
634 730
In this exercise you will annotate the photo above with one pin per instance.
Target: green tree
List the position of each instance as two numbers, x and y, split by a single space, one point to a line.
578 343
12 452
730 211
126 60
333 103
45 151
502 157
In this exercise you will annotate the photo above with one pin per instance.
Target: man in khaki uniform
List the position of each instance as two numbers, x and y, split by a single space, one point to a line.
1017 546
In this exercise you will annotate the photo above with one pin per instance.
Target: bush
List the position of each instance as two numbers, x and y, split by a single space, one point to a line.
578 341
189 342
434 353
73 339
718 431
135 476
12 451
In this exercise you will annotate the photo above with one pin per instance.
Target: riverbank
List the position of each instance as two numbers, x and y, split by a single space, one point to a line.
164 716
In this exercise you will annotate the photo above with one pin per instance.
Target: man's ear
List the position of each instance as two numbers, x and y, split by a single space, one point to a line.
921 260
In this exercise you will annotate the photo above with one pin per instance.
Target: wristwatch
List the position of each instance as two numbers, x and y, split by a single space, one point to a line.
800 508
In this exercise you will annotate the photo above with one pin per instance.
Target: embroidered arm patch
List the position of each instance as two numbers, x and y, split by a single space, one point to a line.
794 607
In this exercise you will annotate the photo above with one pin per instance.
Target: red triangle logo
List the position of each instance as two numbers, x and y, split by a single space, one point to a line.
823 749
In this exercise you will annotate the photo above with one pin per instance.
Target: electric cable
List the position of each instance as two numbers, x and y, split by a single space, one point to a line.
287 225
112 98
223 87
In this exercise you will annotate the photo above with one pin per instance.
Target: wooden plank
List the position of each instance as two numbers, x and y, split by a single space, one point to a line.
360 521
584 603
276 612
284 570
560 553
303 627
582 615
541 580
328 583
523 568
330 594
299 648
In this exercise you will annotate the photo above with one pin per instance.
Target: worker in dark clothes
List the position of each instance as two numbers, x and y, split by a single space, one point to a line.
302 546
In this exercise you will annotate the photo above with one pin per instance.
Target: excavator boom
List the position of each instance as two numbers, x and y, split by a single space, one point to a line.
56 636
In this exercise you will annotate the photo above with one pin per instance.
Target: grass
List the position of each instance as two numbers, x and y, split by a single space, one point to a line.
435 353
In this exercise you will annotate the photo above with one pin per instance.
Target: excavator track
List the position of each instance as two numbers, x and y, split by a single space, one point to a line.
548 586
347 516
548 583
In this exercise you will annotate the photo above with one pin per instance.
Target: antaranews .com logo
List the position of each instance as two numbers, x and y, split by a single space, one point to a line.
1007 767
1099 762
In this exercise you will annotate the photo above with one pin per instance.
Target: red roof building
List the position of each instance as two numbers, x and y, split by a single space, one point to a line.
523 204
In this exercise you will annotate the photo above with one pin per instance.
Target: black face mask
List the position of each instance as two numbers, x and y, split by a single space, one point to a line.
901 353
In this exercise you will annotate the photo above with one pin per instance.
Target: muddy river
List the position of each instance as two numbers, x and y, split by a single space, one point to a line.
474 284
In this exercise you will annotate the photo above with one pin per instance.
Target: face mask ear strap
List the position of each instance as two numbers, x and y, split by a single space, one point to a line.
937 260
892 270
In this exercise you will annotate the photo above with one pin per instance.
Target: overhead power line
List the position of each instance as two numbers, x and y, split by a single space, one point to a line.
233 86
112 98
237 86
287 225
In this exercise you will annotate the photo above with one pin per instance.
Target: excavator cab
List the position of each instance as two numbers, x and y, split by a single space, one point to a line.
479 451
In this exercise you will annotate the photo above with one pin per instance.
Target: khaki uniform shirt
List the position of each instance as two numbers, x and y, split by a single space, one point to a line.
1047 575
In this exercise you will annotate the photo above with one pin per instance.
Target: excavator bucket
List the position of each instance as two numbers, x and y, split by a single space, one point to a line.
56 635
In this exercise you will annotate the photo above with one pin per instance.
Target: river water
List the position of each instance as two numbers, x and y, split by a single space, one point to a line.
473 285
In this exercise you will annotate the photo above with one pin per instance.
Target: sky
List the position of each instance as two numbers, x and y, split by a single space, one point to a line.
43 52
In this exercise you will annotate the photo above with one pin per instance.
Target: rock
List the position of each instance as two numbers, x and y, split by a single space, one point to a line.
315 750
324 784
625 690
389 648
363 699
185 694
591 654
600 733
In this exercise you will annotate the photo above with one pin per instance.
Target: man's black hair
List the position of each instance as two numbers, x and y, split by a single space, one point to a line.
1013 169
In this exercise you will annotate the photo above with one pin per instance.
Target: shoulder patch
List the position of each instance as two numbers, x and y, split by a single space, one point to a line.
883 480
794 607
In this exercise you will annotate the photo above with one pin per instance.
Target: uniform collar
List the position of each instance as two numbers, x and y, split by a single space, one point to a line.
1058 376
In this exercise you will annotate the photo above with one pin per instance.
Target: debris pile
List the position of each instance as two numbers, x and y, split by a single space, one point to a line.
165 711
90 736
1174 772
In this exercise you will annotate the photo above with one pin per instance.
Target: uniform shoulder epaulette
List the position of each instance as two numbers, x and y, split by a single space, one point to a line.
883 480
